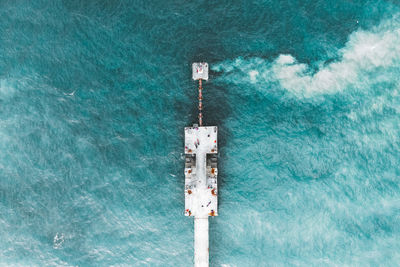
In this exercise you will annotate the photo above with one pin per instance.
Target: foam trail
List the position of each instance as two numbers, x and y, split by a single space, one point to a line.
368 57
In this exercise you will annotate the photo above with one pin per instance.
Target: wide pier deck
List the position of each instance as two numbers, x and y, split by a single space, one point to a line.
201 171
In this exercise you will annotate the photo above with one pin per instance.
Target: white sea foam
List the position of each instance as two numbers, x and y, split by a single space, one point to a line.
375 51
253 75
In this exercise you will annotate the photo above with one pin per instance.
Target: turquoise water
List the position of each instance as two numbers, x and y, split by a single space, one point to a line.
94 96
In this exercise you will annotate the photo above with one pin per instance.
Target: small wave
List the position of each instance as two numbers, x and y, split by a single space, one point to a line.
58 241
71 93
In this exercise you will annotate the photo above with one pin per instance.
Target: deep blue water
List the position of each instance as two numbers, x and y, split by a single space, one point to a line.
94 96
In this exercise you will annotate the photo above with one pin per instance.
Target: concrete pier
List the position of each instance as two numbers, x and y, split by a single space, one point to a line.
201 244
201 185
201 189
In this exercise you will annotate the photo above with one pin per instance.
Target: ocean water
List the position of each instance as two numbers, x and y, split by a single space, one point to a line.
94 96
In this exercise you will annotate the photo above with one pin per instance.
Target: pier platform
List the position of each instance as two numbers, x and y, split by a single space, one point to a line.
201 187
201 171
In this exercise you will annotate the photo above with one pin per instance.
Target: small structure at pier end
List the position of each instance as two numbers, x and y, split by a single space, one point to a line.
201 173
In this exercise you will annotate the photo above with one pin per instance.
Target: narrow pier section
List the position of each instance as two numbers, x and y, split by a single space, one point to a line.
201 254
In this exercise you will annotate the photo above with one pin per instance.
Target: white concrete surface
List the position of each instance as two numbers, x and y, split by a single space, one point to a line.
200 71
201 243
201 188
201 198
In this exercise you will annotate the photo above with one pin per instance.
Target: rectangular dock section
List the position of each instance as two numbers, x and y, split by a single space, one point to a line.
201 171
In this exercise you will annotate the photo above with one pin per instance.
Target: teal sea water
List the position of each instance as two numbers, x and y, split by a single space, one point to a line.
94 96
